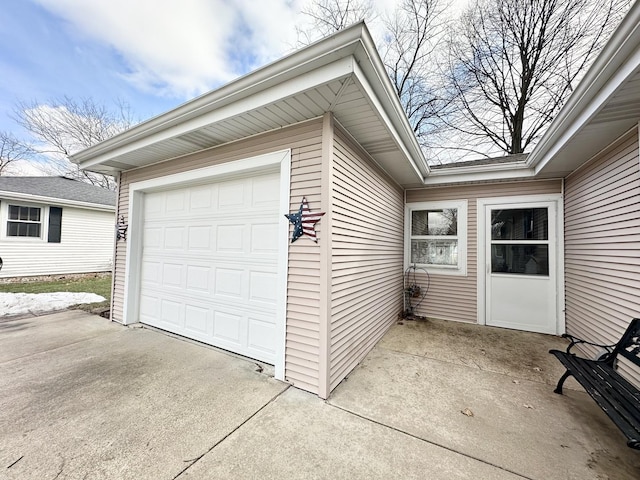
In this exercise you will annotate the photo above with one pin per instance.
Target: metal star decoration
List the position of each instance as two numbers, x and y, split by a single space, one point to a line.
304 222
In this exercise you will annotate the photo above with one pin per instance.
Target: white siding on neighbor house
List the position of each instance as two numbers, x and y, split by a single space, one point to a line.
86 244
366 256
452 297
602 244
302 329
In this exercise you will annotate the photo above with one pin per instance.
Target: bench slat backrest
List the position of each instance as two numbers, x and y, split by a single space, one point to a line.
629 344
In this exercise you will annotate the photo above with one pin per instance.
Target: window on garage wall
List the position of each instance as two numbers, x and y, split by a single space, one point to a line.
436 234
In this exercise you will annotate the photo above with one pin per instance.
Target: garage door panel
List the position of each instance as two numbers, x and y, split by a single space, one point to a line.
264 239
262 335
200 237
265 193
201 198
229 283
210 263
199 279
171 312
231 238
263 287
228 327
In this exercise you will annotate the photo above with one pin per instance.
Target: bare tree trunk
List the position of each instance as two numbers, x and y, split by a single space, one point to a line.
513 64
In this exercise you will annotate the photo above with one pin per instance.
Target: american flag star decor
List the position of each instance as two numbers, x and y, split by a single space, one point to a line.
304 222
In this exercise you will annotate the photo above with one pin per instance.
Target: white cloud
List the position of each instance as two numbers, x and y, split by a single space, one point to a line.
185 47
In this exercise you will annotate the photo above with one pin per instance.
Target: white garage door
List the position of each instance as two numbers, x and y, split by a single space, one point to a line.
209 263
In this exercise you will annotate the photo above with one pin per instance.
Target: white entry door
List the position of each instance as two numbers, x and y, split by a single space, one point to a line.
209 266
521 266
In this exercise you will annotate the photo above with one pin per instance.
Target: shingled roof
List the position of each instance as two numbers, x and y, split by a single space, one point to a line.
515 158
58 187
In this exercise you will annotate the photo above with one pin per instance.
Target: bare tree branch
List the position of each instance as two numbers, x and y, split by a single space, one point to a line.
514 63
330 16
65 126
11 151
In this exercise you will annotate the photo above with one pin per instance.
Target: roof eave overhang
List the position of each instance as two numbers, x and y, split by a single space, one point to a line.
614 65
350 52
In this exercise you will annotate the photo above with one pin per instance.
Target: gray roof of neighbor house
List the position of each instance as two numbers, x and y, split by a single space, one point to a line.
58 187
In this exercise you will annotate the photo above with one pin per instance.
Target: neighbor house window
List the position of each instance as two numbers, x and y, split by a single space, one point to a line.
437 236
24 221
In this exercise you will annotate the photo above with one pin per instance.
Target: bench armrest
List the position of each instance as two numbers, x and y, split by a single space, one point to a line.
577 341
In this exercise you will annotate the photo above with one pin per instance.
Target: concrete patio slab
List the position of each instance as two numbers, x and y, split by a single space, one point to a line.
116 402
521 355
518 423
298 436
86 398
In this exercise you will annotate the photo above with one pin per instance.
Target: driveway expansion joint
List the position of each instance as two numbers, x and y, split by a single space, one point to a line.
427 441
198 458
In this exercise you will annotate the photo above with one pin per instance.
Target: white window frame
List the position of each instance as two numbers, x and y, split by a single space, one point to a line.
462 207
4 218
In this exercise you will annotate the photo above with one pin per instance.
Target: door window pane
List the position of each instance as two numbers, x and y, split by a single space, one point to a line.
520 259
520 224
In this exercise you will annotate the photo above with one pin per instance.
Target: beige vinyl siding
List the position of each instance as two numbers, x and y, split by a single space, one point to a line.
602 244
366 256
305 142
452 297
120 254
86 244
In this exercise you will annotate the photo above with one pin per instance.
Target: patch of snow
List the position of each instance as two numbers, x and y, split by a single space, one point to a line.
19 303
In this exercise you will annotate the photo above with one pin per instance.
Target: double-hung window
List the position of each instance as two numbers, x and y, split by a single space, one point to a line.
437 236
23 221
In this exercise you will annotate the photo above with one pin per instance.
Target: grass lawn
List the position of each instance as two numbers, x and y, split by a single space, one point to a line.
98 285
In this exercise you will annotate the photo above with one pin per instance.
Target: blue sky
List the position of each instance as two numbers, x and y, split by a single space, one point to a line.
152 54
44 57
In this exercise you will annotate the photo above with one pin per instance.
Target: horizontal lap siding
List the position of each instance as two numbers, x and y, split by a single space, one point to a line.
602 245
86 245
120 254
304 140
453 297
366 258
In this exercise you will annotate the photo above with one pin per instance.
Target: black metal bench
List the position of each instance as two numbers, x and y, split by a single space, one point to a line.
616 396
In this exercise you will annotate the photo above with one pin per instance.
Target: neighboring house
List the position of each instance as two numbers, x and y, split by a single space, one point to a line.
55 225
546 242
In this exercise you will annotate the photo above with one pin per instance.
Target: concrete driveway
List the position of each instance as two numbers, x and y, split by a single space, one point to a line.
86 398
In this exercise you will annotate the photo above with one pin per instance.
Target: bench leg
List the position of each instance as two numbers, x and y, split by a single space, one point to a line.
558 389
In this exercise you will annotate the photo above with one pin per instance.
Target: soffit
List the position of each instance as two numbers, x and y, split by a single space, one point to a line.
341 74
617 115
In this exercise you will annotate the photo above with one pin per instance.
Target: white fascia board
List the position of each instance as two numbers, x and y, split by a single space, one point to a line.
372 68
478 174
25 197
325 51
339 69
616 62
366 87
